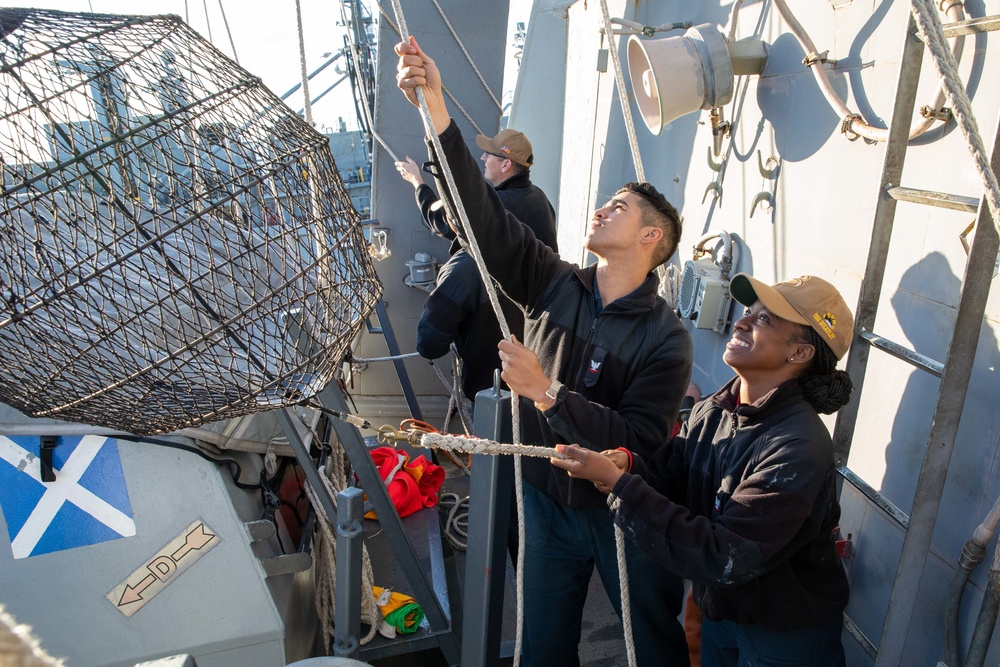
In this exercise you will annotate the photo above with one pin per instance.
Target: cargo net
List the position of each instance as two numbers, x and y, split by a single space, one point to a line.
176 245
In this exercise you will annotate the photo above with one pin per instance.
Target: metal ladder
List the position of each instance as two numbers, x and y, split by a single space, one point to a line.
954 372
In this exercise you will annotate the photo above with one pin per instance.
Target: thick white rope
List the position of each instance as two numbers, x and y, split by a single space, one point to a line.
302 63
472 63
457 525
19 647
515 400
626 603
460 443
325 549
633 141
932 33
641 176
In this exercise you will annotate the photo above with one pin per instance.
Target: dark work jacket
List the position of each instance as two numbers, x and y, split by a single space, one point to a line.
743 502
625 371
458 310
519 196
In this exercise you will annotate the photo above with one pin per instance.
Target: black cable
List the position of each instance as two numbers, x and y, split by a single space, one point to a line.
342 416
194 450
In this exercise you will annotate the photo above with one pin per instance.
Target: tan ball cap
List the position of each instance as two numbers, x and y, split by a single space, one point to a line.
804 300
510 144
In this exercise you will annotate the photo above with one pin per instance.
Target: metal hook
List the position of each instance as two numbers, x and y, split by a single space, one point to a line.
379 246
762 197
716 191
771 173
712 164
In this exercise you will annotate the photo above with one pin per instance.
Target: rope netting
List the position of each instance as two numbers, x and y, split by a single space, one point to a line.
176 245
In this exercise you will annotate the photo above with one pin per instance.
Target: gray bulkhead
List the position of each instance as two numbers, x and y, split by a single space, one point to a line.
824 197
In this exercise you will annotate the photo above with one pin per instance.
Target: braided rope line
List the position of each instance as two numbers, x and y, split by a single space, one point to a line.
302 63
515 400
325 548
932 33
480 446
633 141
641 176
626 602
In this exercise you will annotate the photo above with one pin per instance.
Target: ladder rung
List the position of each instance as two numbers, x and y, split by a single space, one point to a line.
880 501
931 198
860 637
935 368
972 26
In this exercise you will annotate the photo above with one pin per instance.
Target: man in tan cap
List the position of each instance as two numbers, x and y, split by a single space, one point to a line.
507 155
507 160
458 309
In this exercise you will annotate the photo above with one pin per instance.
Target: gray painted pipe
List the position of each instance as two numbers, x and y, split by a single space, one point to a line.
972 555
987 618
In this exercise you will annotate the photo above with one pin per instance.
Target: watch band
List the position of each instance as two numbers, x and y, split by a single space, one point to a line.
551 393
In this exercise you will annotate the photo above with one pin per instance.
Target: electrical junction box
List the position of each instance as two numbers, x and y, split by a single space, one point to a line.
704 295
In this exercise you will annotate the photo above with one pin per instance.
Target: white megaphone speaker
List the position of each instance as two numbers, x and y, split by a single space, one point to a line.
674 76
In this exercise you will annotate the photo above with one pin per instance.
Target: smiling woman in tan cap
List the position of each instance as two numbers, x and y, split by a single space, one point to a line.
743 501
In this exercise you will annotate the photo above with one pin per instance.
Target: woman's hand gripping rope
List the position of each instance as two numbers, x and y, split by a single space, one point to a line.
604 469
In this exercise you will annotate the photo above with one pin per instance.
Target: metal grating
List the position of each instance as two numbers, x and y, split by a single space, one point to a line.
176 245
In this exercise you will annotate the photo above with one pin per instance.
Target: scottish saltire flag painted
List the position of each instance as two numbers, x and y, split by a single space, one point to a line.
86 504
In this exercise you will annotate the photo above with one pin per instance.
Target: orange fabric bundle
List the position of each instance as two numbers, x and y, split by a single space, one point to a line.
412 485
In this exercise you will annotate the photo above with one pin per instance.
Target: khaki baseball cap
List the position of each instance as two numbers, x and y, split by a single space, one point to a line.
804 300
510 144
